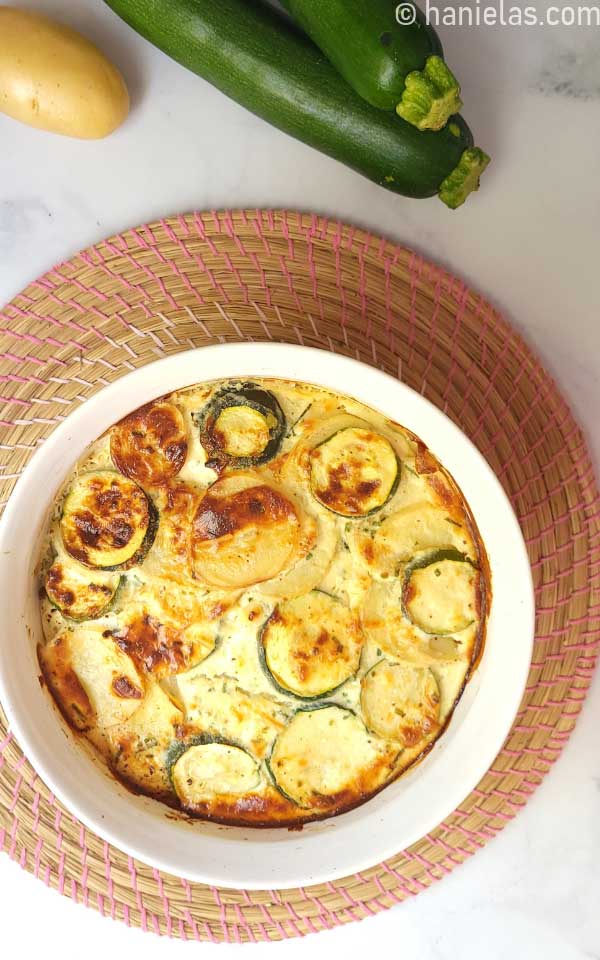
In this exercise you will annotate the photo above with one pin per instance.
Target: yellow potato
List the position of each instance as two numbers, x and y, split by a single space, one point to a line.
54 79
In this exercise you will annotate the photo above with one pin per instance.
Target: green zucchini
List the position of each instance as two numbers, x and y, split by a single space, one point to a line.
354 472
140 554
400 702
439 592
418 527
79 593
326 753
242 426
252 54
310 646
107 521
205 767
393 65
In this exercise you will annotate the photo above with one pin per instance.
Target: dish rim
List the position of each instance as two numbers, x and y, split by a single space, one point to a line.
381 392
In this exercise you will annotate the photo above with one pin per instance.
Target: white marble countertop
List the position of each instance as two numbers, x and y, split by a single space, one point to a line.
529 240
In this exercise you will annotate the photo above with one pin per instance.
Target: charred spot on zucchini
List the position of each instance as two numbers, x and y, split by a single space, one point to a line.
242 426
310 646
440 593
107 521
79 593
325 753
141 553
150 445
354 472
400 702
204 767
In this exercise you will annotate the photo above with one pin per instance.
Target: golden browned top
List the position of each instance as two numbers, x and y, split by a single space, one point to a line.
106 517
150 445
238 582
259 506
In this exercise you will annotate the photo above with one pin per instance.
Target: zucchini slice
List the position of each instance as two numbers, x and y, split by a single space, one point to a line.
243 532
325 755
150 445
400 702
167 626
310 646
204 768
441 592
386 624
242 426
78 592
107 521
416 527
354 472
272 69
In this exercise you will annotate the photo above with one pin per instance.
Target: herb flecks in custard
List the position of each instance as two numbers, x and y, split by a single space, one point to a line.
261 601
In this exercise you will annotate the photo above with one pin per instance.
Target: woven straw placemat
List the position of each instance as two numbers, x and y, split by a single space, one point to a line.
260 275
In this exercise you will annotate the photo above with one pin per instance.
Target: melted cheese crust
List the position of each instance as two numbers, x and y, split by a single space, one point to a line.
265 661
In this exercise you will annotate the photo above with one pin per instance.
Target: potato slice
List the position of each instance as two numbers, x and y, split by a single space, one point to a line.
416 527
243 534
94 680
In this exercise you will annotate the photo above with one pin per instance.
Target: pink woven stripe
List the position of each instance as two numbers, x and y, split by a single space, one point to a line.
34 338
570 646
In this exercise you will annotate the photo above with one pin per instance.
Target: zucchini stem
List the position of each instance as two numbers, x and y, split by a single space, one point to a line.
464 179
431 96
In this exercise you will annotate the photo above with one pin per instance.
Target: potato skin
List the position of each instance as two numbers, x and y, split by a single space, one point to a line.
54 79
